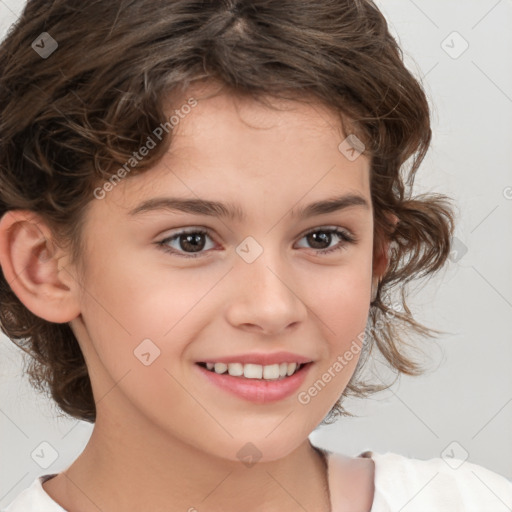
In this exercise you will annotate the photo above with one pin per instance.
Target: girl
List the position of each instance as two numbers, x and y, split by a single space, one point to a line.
203 216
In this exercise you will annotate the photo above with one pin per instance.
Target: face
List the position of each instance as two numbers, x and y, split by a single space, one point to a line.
165 289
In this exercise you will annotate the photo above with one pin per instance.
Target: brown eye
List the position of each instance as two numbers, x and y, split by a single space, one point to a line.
190 243
319 238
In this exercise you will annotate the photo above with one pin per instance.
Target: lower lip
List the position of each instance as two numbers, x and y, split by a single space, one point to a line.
257 390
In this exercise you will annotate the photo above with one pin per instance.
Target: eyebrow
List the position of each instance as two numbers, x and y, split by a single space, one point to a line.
235 212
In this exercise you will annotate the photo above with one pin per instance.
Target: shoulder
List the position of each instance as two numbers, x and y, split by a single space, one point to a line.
450 484
34 499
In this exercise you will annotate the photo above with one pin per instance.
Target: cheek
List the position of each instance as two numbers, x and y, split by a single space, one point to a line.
344 309
139 322
127 302
339 298
340 307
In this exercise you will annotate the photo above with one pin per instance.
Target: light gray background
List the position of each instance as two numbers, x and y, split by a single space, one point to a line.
463 406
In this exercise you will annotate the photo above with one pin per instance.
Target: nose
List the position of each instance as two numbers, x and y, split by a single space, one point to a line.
264 299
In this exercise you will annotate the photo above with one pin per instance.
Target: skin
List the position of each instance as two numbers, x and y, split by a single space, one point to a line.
157 424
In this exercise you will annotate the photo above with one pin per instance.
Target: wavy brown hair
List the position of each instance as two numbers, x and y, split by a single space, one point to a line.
68 121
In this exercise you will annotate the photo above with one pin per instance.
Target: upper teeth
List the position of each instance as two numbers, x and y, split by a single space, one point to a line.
254 371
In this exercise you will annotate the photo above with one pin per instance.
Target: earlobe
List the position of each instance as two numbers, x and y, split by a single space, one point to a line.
32 265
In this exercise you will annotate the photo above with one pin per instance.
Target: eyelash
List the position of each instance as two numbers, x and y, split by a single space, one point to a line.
346 237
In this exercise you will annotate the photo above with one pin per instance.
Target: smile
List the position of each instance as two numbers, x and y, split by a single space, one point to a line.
254 371
251 384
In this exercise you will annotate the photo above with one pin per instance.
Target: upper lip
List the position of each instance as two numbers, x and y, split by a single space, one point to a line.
261 358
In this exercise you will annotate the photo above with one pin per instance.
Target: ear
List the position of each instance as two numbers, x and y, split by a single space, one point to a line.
34 267
381 253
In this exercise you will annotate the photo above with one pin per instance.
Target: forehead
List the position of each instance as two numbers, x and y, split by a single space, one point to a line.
223 115
235 145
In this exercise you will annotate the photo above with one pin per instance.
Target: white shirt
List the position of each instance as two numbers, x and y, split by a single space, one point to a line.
402 484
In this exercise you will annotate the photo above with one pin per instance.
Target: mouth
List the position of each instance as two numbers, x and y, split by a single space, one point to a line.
251 383
248 371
